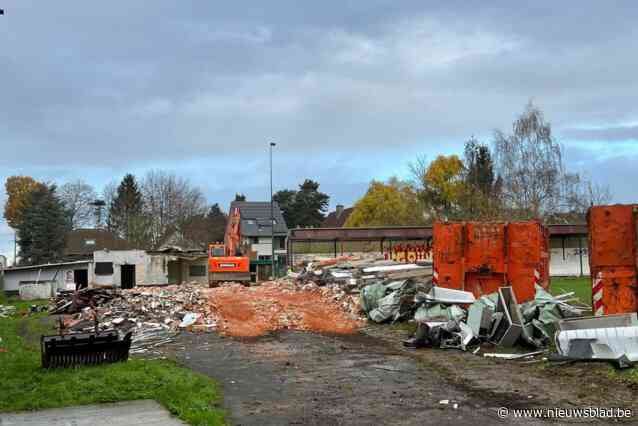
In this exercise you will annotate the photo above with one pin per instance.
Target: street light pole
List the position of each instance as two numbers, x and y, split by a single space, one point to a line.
272 219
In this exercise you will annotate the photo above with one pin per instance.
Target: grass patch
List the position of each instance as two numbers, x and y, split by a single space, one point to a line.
192 397
409 327
580 286
627 375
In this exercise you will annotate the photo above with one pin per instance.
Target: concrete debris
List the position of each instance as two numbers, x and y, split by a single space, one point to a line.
152 314
609 337
72 302
155 315
355 273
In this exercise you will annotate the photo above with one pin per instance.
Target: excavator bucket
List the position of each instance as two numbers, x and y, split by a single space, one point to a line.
84 349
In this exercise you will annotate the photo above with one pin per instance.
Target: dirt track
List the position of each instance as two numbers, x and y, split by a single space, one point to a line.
295 377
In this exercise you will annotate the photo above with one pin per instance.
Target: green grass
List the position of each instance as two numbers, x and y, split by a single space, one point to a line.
628 375
192 397
580 286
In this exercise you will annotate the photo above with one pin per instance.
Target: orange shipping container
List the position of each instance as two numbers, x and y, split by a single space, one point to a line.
613 258
481 257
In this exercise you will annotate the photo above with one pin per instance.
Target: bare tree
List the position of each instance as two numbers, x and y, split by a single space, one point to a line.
418 170
170 201
581 194
530 164
109 193
77 197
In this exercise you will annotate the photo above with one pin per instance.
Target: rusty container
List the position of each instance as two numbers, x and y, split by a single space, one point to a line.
613 258
481 257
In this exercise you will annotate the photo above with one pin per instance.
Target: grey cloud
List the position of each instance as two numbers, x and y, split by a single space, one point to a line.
95 88
618 133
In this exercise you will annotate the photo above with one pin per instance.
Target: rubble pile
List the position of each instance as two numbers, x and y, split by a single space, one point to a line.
72 302
154 315
355 273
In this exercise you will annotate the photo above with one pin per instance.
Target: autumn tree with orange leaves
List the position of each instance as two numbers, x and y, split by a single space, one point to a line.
19 189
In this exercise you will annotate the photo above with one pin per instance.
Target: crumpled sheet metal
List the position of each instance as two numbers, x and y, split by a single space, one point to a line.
451 296
391 301
510 327
619 343
480 317
439 312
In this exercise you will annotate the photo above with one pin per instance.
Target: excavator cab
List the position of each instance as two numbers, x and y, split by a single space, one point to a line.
223 267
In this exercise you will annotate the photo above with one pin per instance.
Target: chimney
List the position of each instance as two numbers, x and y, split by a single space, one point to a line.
339 209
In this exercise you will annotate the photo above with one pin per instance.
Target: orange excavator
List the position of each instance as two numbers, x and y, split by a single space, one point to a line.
227 261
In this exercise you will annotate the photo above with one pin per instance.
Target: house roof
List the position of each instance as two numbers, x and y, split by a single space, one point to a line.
83 242
47 265
255 218
337 219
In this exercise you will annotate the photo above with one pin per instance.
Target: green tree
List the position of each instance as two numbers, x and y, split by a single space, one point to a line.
205 229
286 200
126 214
443 186
481 199
479 167
305 207
43 227
19 189
387 204
240 197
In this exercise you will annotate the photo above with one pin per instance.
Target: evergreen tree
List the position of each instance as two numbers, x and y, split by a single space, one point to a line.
240 197
126 215
310 204
286 199
305 207
43 228
480 167
216 219
205 228
481 196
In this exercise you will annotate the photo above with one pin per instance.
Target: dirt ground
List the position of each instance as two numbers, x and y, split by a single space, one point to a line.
253 311
303 378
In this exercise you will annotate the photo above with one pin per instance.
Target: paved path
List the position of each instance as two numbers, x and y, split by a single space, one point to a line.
134 413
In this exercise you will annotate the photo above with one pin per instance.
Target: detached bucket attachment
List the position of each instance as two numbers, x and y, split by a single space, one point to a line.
84 349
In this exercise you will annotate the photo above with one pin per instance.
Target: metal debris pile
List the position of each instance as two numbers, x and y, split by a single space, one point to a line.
448 318
608 337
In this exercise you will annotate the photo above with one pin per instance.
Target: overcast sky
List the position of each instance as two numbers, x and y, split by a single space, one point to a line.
349 90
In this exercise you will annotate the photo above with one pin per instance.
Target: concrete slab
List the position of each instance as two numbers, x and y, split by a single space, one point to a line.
134 413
